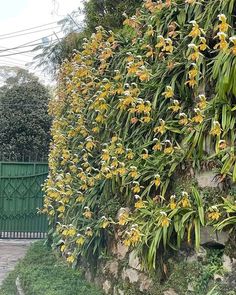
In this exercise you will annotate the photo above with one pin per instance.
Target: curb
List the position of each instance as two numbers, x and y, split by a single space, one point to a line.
18 287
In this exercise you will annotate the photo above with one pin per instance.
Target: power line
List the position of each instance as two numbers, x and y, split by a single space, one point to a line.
14 59
27 43
28 29
23 46
29 33
10 54
27 55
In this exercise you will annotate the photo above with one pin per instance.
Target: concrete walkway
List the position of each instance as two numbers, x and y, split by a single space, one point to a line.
10 253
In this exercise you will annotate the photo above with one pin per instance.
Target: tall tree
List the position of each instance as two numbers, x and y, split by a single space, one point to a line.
108 13
24 121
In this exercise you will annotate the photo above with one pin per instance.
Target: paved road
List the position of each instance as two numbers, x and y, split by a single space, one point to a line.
10 252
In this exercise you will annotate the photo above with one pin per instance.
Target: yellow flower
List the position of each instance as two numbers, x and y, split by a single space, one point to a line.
165 222
161 42
150 32
133 173
136 188
203 46
157 180
223 44
130 154
134 236
198 118
70 259
223 26
168 150
105 155
161 128
233 40
196 31
123 218
63 248
143 74
216 129
183 119
214 213
114 139
87 214
169 93
202 102
104 222
61 209
139 204
120 149
173 203
194 56
169 47
175 107
80 240
145 156
89 232
185 202
157 146
127 242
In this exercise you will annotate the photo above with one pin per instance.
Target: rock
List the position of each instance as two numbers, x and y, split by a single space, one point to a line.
19 289
106 286
122 250
190 287
145 284
88 275
134 261
170 292
207 179
112 268
197 256
118 291
227 263
231 280
131 274
213 238
218 278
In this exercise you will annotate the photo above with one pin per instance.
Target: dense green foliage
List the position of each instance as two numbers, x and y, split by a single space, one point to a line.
137 109
108 13
41 272
24 119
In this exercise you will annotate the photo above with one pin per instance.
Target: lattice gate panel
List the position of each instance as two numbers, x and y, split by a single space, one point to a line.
21 197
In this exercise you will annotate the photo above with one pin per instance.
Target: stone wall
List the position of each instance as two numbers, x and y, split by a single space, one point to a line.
122 269
123 272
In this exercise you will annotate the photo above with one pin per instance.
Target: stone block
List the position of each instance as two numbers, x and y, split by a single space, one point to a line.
122 250
112 268
227 263
211 237
207 179
170 292
134 261
197 256
106 286
145 283
131 274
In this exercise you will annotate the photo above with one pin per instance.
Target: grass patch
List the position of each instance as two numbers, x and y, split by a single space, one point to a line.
43 273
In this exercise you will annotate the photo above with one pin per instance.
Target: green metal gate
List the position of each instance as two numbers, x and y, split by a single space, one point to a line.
21 196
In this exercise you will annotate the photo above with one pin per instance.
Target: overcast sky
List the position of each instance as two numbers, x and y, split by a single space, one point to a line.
17 15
